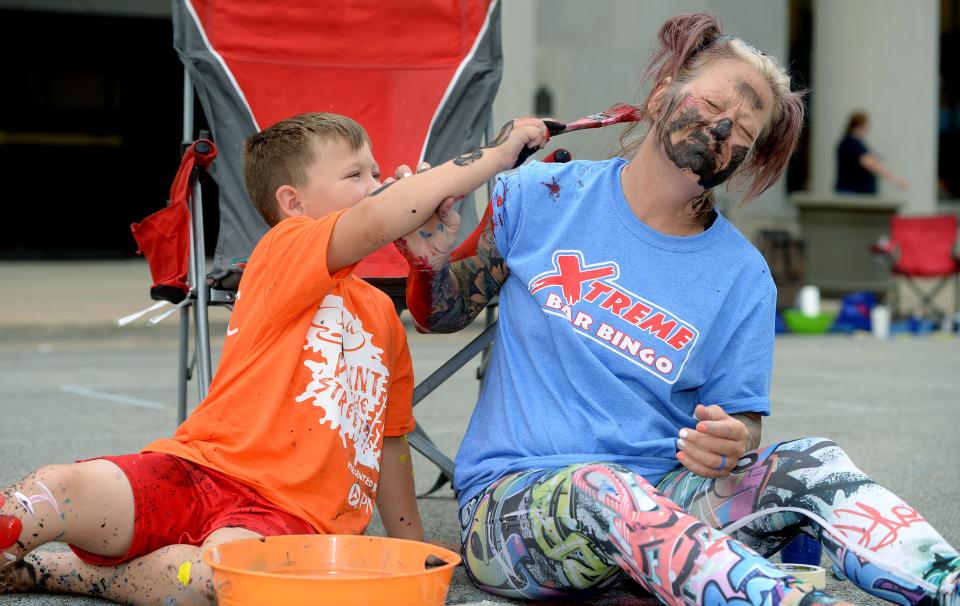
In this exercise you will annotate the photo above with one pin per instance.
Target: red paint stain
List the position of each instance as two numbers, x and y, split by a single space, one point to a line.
10 529
419 284
553 187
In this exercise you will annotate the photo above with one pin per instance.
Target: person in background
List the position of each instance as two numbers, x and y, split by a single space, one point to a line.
857 167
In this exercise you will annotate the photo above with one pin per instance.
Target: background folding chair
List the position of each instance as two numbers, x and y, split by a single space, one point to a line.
923 248
422 82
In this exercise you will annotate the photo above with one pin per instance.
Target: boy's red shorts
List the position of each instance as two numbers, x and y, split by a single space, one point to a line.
179 502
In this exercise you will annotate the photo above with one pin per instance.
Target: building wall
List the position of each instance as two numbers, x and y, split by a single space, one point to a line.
880 56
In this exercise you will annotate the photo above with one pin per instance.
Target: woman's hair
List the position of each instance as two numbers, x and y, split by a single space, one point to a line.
689 43
857 119
279 155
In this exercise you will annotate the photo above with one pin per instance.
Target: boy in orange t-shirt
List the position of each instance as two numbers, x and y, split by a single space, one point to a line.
302 430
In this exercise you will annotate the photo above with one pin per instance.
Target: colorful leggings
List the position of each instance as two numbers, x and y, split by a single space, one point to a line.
572 531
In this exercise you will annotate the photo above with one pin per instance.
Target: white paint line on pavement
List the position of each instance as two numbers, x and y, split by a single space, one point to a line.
102 395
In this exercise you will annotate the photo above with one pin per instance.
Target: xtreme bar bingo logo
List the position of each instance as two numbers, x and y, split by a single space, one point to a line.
598 308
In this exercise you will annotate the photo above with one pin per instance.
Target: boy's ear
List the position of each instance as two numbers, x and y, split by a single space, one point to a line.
288 201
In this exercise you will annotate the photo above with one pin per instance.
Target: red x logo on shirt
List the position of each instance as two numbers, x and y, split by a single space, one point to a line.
571 276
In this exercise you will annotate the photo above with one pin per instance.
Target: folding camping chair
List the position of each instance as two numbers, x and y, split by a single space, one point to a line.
922 247
422 83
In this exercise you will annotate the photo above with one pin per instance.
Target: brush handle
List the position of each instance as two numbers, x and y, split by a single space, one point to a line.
553 127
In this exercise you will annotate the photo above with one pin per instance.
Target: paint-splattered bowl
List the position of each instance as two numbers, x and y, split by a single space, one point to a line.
329 569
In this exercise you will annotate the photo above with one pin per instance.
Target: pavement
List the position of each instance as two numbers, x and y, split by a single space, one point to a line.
74 385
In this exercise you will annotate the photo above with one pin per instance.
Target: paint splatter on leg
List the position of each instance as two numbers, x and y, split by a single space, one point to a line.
172 575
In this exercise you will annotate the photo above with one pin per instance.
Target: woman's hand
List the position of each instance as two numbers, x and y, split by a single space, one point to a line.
713 448
431 243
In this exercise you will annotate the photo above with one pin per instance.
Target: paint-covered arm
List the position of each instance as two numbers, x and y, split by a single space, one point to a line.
446 291
396 497
400 207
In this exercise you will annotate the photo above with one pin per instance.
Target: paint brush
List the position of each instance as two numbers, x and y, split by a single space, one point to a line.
616 114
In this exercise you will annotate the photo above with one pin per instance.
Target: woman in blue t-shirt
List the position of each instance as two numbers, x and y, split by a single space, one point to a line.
618 428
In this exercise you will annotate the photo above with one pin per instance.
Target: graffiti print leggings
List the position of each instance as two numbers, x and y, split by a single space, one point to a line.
573 531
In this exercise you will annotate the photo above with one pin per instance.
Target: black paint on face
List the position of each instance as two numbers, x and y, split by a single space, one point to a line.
701 150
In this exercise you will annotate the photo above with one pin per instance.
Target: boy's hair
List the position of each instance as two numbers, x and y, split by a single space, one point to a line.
279 155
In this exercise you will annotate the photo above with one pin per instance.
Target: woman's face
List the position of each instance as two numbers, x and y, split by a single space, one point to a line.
709 128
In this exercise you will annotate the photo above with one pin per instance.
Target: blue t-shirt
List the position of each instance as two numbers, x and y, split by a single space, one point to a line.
610 332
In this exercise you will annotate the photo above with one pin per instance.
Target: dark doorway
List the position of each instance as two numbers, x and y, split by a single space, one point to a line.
90 129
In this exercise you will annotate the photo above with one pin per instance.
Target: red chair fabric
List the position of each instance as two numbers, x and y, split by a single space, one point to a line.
924 246
164 236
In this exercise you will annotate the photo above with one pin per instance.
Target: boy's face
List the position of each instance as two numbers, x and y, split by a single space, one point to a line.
339 177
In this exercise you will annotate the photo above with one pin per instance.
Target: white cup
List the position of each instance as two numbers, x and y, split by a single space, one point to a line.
809 301
880 321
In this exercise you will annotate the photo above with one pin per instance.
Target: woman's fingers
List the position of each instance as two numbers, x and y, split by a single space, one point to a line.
722 460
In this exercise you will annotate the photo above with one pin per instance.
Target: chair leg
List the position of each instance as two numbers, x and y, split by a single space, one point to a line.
956 302
183 371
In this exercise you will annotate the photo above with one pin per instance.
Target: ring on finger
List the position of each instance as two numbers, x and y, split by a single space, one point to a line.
723 463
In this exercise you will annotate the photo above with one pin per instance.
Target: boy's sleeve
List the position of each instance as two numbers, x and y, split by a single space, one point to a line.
399 416
295 271
507 210
740 382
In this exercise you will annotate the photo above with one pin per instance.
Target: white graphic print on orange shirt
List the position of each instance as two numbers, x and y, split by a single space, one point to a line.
349 382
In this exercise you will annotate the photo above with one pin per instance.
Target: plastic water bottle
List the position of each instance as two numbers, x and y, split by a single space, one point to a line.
803 549
809 301
880 321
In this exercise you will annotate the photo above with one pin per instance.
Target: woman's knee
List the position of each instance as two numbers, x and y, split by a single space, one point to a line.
821 448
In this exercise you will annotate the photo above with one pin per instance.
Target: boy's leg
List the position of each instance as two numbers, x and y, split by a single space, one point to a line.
543 535
173 575
86 504
876 539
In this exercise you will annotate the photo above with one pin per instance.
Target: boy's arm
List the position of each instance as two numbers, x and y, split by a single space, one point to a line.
396 496
400 207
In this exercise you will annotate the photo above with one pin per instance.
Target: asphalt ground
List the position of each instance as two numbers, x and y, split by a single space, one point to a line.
73 385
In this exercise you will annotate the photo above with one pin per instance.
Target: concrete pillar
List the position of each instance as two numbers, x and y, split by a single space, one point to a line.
880 56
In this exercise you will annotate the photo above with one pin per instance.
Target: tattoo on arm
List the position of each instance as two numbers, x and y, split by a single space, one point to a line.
381 188
468 158
753 422
471 157
467 286
502 135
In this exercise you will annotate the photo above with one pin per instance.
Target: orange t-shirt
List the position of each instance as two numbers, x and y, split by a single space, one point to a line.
315 372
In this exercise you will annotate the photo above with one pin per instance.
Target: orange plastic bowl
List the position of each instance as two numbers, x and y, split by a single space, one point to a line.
307 570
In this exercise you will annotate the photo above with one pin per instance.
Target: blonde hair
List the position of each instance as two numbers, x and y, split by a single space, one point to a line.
279 155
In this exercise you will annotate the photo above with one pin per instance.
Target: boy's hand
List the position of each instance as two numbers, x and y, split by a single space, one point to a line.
513 138
431 243
712 449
